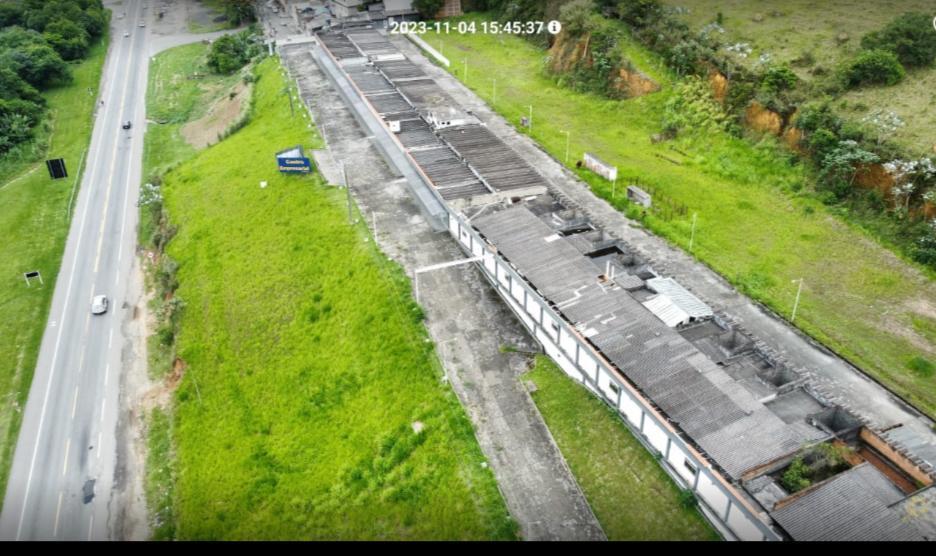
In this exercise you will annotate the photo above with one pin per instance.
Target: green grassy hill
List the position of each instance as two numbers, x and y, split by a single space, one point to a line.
311 405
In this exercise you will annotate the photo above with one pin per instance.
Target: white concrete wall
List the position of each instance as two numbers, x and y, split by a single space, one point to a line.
712 495
574 358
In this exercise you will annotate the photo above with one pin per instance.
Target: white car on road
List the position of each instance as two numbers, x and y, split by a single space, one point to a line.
99 305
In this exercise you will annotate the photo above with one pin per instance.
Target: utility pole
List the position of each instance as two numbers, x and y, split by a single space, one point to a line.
796 302
531 119
695 216
567 134
347 184
289 95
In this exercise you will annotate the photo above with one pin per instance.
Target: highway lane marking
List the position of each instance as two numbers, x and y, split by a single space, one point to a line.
58 510
74 403
110 177
68 290
110 338
67 447
106 374
99 442
123 219
90 526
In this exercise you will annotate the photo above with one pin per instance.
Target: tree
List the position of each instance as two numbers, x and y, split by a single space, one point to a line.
909 36
428 8
14 87
239 11
231 52
68 38
10 14
577 17
38 64
639 13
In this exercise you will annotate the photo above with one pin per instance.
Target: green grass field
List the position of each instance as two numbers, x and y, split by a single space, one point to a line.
791 28
627 489
753 228
307 363
34 223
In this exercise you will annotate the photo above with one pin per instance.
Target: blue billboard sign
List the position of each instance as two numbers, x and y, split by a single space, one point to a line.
293 165
292 161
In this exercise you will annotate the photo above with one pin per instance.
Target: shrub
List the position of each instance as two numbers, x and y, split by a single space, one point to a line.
692 107
795 478
687 499
872 67
923 367
777 79
909 36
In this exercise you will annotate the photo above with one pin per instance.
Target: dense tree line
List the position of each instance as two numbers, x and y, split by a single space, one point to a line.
37 39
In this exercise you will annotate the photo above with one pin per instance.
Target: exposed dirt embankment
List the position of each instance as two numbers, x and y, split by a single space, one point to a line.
762 119
568 54
224 113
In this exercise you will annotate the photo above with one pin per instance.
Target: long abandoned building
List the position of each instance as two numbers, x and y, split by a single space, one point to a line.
768 455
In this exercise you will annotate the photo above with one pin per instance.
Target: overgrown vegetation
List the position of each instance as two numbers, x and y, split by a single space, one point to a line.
757 224
306 365
905 40
814 465
36 40
612 467
160 479
239 11
34 219
428 8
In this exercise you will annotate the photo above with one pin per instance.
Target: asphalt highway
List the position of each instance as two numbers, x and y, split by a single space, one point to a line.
62 475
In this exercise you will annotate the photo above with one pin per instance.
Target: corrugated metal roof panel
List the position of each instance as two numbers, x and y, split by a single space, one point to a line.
853 506
666 310
681 297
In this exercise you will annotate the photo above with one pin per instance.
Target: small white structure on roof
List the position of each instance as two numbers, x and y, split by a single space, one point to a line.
674 305
446 117
667 311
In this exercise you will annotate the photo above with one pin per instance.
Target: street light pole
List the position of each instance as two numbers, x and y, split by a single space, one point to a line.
695 216
347 184
796 302
567 134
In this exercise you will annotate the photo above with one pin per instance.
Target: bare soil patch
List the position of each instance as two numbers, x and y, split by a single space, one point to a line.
208 129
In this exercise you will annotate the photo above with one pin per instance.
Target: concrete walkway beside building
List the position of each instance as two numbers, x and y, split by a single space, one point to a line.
468 322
